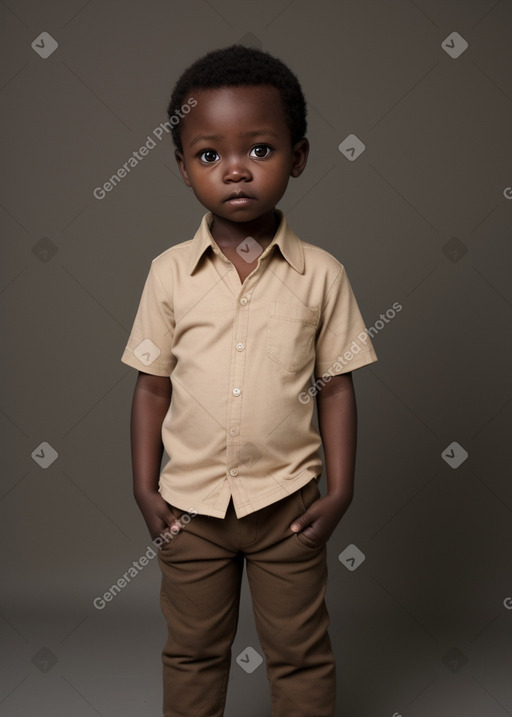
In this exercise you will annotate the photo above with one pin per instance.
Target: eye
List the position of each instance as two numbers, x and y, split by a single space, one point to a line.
261 150
208 156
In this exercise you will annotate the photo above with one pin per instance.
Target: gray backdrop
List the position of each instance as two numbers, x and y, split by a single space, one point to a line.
423 625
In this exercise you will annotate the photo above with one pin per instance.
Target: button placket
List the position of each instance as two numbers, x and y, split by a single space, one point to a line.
237 374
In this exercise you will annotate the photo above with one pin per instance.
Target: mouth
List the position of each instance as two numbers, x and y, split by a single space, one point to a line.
239 198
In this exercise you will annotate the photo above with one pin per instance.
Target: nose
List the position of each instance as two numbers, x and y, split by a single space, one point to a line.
237 169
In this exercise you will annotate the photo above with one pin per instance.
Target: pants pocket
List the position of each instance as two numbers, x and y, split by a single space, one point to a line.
309 493
307 496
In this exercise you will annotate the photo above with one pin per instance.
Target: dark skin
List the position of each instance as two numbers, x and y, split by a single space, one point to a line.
237 140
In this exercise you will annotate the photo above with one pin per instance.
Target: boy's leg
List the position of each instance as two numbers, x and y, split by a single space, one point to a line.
201 579
288 582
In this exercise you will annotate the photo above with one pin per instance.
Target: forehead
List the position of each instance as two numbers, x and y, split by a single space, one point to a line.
227 109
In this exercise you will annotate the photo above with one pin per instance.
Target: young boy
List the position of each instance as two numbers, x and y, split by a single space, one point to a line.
232 325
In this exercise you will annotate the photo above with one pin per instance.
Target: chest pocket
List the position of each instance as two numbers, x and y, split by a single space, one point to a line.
291 334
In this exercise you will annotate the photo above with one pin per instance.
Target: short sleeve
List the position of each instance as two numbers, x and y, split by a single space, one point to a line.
149 345
342 342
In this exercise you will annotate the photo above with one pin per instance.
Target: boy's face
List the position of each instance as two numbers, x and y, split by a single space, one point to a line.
236 141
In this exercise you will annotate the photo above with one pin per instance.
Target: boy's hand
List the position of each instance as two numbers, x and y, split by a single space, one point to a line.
157 514
321 518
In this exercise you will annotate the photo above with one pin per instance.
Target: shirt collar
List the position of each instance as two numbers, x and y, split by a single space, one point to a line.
287 241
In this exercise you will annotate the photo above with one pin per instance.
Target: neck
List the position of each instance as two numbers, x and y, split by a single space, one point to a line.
227 233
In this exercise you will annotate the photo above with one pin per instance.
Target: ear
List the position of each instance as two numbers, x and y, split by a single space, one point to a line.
180 159
300 153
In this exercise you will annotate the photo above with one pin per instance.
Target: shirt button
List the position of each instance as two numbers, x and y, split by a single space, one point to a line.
236 392
244 300
240 347
234 431
233 472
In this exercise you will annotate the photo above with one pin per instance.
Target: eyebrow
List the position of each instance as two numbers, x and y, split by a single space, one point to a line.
250 133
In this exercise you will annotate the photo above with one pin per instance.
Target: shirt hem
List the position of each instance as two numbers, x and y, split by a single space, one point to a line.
361 360
130 360
280 493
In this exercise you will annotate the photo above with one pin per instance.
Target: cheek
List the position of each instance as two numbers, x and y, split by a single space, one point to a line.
278 172
278 179
200 178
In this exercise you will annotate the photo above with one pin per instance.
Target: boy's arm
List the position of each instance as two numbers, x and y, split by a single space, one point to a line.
151 400
337 422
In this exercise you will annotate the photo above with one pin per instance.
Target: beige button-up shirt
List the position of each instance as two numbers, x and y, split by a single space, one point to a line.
246 361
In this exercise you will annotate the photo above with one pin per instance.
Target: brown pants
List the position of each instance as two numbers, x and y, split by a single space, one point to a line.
201 579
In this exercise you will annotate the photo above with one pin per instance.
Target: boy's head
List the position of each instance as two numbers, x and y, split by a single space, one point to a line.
241 131
235 66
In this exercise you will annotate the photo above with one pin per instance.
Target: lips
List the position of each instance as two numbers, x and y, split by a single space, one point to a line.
238 195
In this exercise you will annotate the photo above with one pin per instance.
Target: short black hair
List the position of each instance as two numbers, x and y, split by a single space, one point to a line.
238 65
